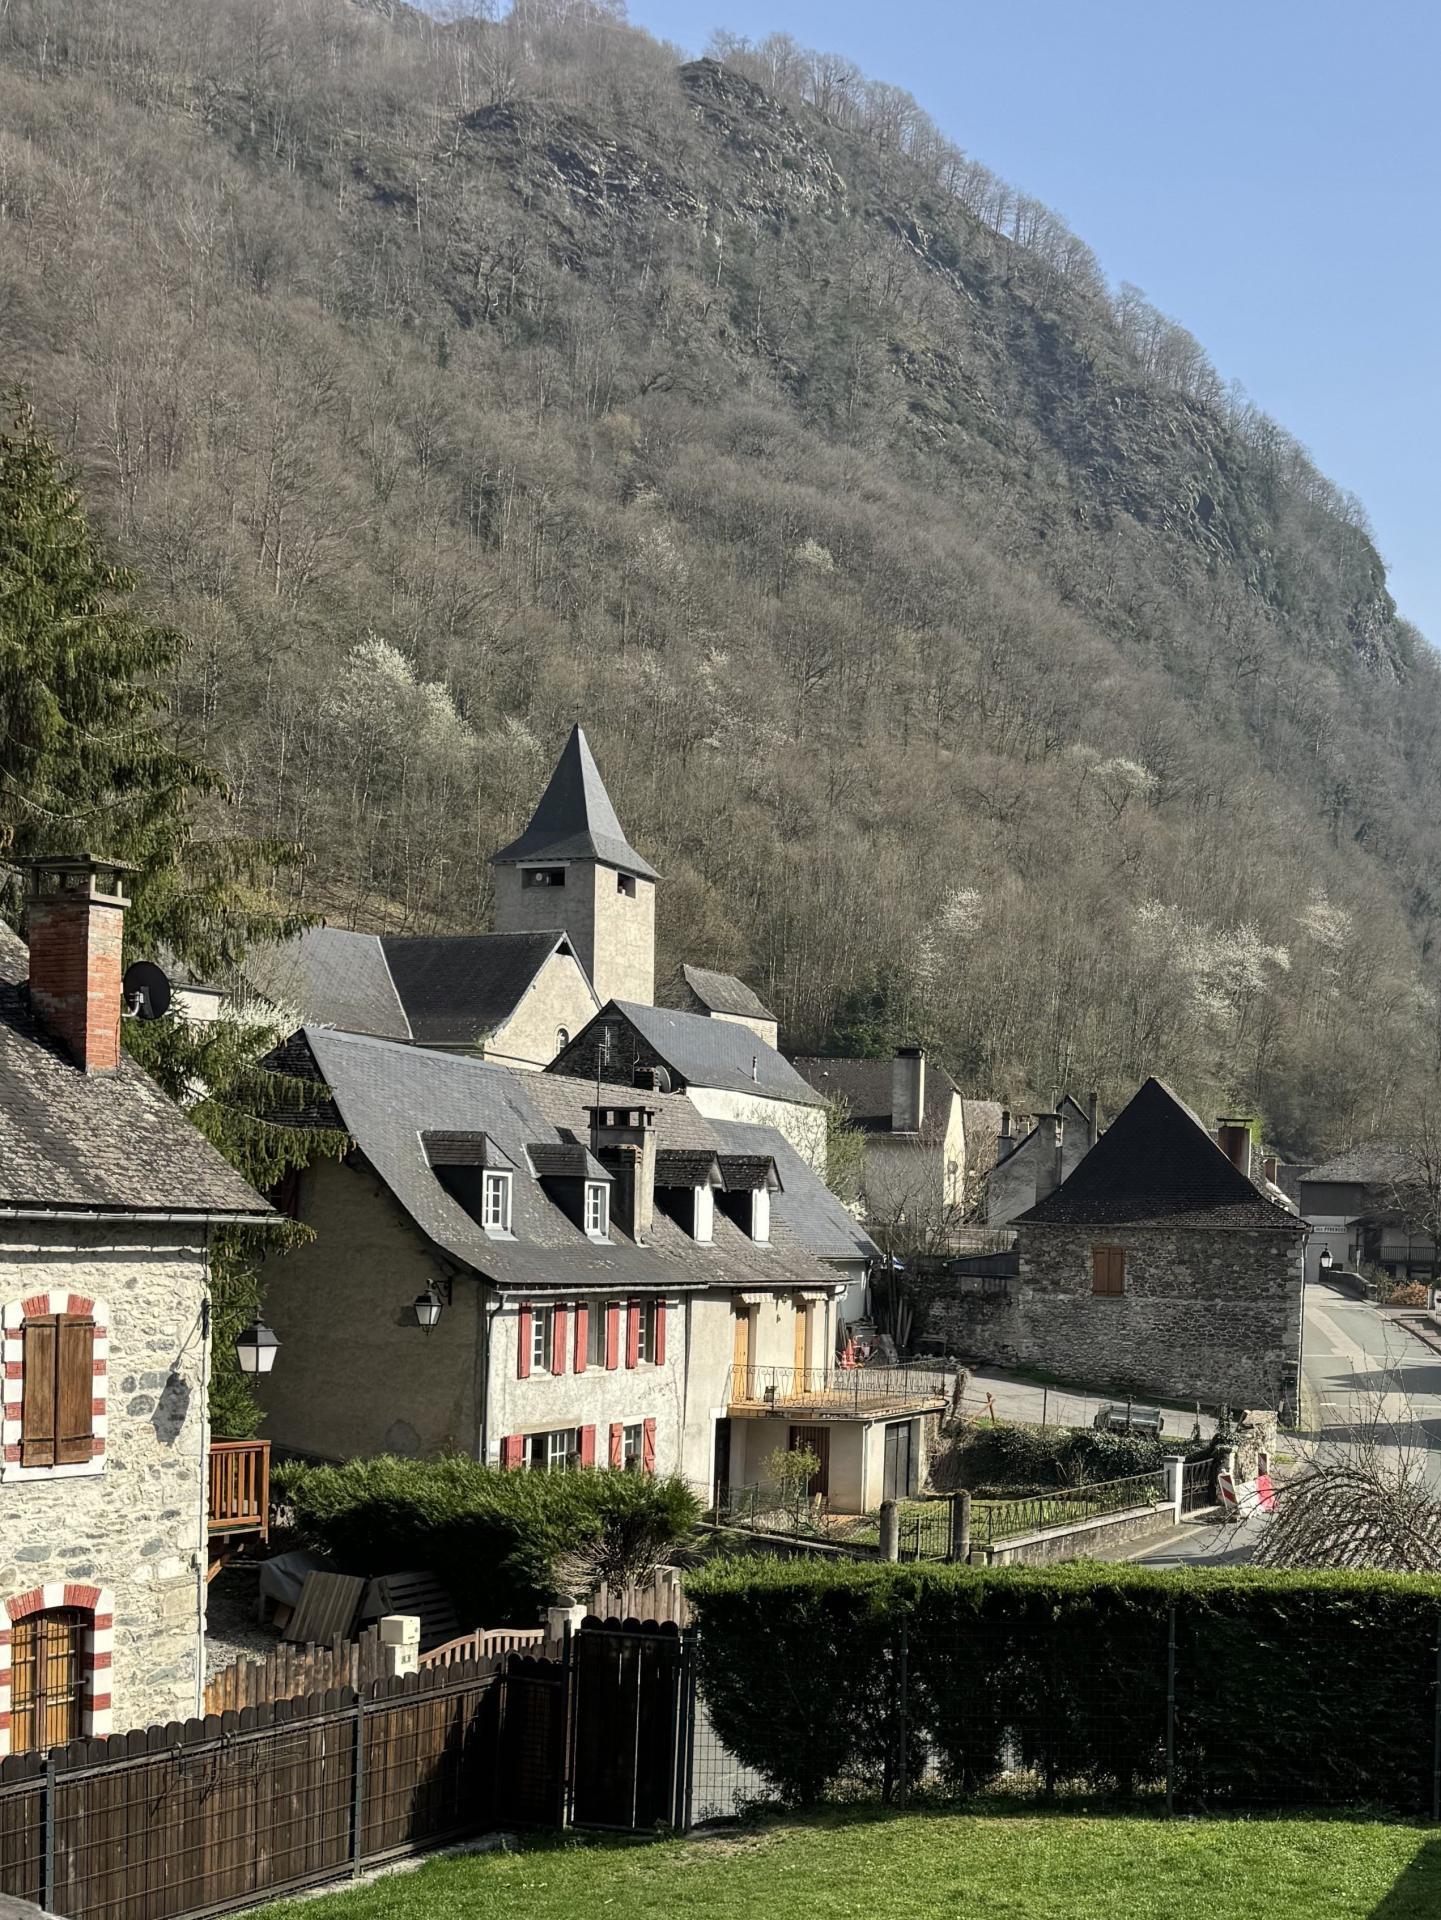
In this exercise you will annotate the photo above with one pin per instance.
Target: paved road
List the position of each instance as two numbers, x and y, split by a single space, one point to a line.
1367 1376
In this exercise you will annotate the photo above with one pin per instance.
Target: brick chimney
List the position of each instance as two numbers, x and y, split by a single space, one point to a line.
75 925
1233 1137
622 1138
908 1090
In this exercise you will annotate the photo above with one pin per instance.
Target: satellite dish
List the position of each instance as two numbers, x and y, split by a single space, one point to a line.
145 991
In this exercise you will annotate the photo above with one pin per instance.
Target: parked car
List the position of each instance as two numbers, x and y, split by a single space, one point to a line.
1125 1418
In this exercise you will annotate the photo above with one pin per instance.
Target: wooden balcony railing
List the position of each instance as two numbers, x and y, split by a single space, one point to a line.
838 1393
240 1487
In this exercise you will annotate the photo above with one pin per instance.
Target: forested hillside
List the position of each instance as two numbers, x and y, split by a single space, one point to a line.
972 665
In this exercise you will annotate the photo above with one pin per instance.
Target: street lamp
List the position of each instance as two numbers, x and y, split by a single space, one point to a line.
426 1308
256 1348
1327 1260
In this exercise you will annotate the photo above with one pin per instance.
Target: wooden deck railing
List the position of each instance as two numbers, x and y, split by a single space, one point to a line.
837 1393
240 1487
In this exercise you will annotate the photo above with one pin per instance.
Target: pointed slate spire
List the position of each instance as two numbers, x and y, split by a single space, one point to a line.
575 819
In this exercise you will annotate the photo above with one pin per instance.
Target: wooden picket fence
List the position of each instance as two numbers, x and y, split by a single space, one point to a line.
486 1643
661 1598
287 1672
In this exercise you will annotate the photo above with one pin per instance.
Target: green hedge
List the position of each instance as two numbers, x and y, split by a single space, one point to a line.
505 1543
1007 1456
1291 1688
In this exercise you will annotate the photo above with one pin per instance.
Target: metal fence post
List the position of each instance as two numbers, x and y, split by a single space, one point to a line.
903 1717
357 1799
47 1840
1171 1708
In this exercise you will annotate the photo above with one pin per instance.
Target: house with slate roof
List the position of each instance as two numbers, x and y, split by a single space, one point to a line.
108 1201
1162 1265
927 1147
612 1276
723 997
725 1068
1355 1202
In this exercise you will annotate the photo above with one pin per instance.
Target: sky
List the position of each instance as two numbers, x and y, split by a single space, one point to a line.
1267 171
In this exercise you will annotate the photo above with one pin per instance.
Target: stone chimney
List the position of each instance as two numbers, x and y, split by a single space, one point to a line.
1233 1137
75 925
1004 1142
1093 1117
1049 1135
622 1138
908 1090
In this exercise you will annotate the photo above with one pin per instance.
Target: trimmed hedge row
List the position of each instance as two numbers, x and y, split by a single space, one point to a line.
1290 1688
505 1543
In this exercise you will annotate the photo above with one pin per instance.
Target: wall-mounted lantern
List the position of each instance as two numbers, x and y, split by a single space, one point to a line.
256 1348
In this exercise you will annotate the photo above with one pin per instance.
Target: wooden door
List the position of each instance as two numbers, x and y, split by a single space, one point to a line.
896 1480
741 1355
721 1479
46 1674
818 1440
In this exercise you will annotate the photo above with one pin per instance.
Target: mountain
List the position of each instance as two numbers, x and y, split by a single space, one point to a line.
971 664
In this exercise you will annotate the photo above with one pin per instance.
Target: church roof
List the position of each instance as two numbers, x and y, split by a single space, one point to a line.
725 993
1156 1165
575 819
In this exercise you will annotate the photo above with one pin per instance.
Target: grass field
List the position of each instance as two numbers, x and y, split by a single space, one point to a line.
935 1867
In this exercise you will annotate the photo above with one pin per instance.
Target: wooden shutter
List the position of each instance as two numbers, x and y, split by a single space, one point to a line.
511 1450
803 1320
612 1334
522 1363
617 1444
632 1334
558 1333
38 1411
75 1391
647 1445
659 1354
587 1446
1108 1270
582 1334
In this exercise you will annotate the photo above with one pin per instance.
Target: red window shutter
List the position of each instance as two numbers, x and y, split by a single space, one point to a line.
522 1365
557 1341
617 1445
647 1445
587 1446
38 1410
632 1334
75 1391
659 1355
612 1334
511 1450
582 1334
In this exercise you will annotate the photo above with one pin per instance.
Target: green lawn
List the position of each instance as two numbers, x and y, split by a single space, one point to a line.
935 1867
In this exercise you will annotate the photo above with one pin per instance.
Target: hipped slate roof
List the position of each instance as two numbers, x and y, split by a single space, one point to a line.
865 1087
575 819
1156 1165
711 1053
389 1094
1374 1163
438 990
805 1205
724 993
71 1141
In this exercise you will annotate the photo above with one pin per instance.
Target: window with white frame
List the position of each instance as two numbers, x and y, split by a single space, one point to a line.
550 1451
495 1203
542 1333
595 1334
562 1039
645 1333
703 1216
632 1447
597 1209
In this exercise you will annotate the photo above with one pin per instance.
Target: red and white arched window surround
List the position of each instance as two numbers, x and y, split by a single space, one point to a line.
62 1433
96 1609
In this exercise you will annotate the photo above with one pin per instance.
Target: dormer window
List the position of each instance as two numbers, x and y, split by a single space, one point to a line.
597 1209
542 876
761 1214
495 1203
703 1216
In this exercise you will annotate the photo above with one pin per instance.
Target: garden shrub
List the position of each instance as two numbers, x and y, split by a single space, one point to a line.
1292 1688
1010 1457
505 1543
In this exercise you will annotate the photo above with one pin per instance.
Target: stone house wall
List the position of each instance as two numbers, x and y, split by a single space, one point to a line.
1205 1315
124 1540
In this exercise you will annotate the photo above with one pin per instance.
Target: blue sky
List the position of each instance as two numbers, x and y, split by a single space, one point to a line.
1268 171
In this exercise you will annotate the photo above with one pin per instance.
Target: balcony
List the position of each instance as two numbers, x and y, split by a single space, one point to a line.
239 1489
836 1393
